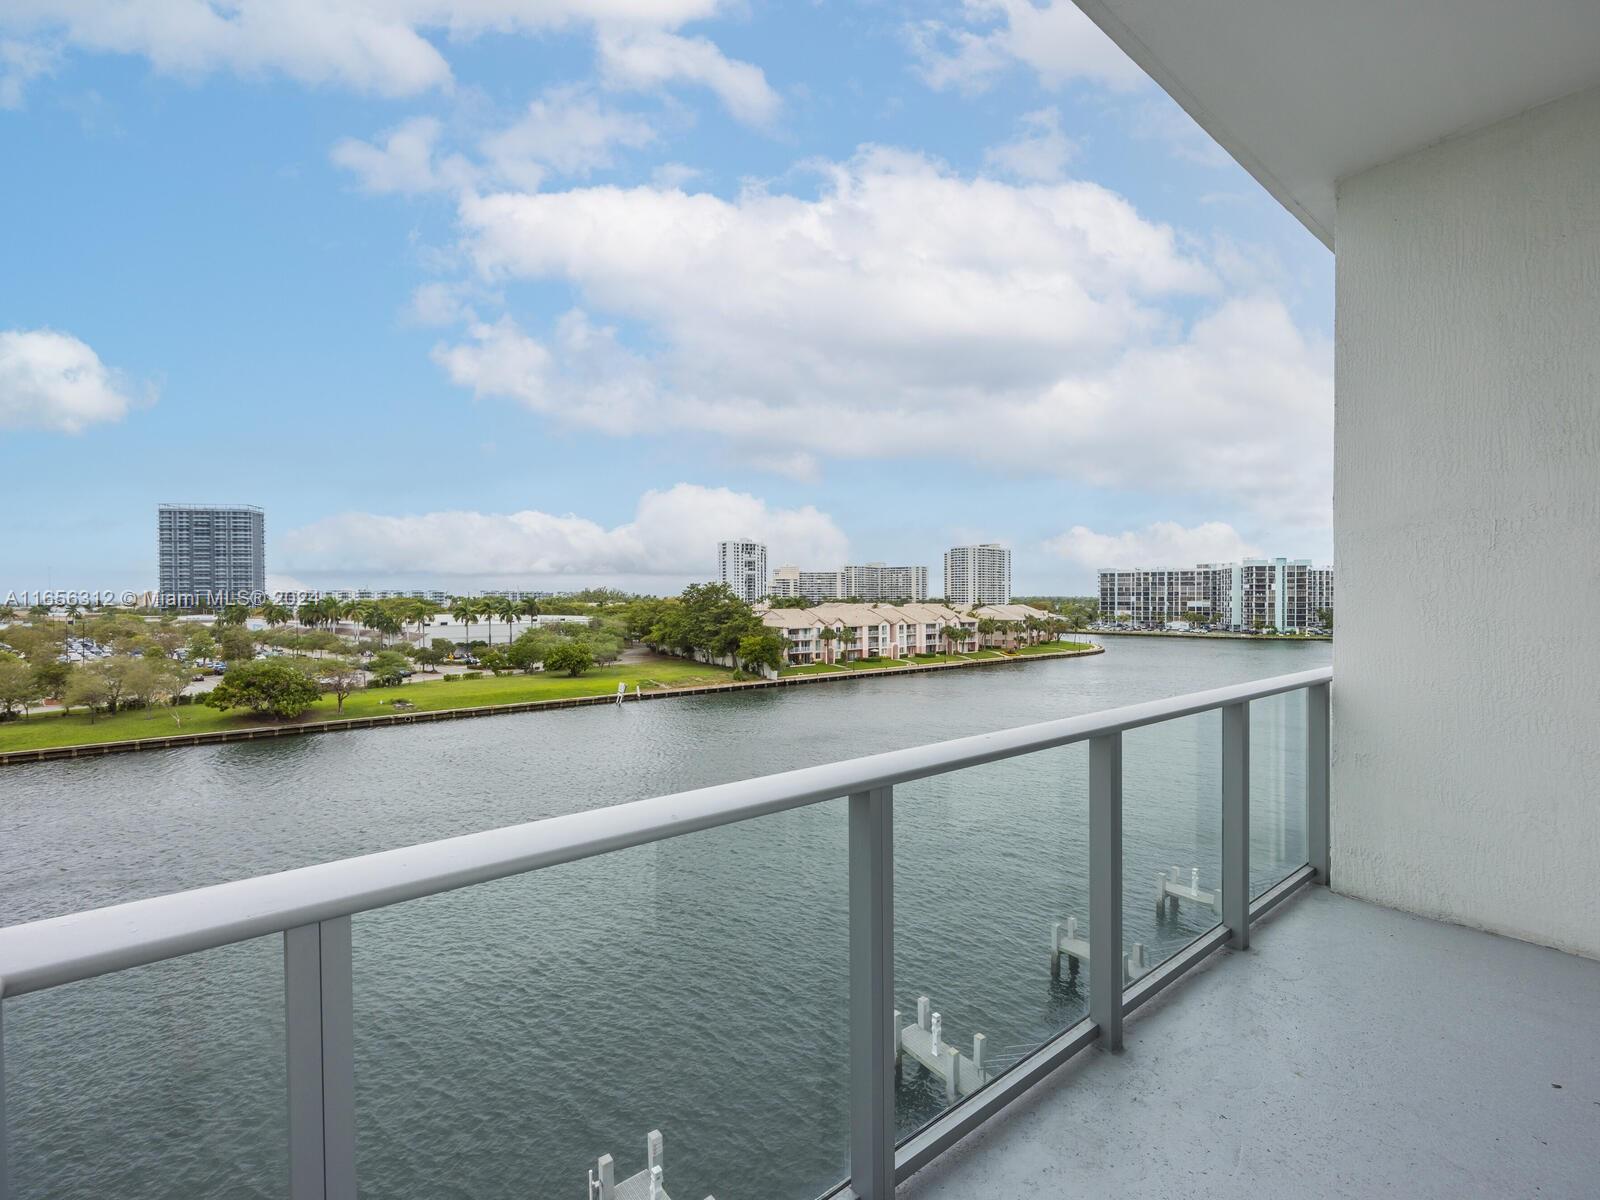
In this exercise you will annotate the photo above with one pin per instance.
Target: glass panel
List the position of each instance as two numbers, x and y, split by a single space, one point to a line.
987 862
162 1081
1277 789
508 1035
1171 837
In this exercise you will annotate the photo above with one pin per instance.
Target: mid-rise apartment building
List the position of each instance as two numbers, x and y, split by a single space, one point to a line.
1257 593
977 574
742 565
210 554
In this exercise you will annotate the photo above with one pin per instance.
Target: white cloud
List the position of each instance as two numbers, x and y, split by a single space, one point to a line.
1055 40
1040 151
20 64
566 131
1162 544
403 162
53 381
380 46
907 311
652 58
673 533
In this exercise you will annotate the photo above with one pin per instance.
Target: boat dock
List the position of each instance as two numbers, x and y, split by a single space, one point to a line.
648 1184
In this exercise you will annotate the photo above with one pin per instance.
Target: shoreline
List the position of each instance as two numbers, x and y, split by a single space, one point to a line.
261 732
1237 637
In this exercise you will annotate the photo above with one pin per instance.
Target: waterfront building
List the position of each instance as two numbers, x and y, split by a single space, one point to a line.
210 554
881 630
977 574
1256 593
742 565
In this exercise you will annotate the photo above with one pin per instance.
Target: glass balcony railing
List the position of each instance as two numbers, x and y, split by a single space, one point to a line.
900 945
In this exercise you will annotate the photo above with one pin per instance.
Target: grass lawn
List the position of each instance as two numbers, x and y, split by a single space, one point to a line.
1053 647
53 729
812 669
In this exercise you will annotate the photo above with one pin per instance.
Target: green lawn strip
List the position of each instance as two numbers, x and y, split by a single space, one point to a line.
812 669
52 729
1053 648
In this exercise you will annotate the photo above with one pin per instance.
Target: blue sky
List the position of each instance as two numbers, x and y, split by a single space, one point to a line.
545 293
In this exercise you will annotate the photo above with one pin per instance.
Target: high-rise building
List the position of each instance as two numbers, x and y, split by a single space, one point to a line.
816 587
742 565
977 574
1257 593
874 581
210 554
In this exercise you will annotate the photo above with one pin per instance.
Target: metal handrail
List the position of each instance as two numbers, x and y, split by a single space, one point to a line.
59 950
312 907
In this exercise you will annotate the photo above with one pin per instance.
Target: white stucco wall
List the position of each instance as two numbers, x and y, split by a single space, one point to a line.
1466 752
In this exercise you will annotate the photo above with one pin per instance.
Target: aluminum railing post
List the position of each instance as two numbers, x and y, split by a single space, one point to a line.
319 1023
1105 887
5 1174
1236 823
872 994
1318 730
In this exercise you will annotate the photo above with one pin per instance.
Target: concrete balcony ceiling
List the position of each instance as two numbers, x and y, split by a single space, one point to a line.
1304 93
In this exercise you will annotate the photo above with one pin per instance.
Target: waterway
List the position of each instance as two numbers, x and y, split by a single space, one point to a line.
508 1034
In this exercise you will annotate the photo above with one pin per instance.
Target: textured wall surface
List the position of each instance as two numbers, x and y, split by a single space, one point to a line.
1466 751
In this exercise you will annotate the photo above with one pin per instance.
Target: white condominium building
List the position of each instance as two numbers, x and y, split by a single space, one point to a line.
813 586
977 574
874 581
742 565
1258 593
869 583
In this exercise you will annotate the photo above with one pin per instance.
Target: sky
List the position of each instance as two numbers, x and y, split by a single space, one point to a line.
551 293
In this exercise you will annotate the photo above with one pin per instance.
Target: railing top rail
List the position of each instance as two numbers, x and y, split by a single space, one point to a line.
48 953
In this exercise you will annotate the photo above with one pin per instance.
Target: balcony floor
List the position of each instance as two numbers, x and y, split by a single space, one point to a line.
1353 1051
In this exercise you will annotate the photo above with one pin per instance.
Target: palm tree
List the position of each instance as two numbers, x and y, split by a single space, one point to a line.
826 635
487 608
465 612
506 610
273 614
986 629
529 607
952 634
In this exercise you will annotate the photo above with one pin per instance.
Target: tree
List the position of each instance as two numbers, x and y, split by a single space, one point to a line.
50 674
268 686
432 656
233 614
826 636
274 614
237 645
569 655
86 688
986 629
384 620
505 609
464 612
1325 618
388 668
763 649
340 676
952 635
171 677
19 685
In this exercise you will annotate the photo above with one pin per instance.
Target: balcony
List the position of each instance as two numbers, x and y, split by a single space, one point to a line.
1308 1022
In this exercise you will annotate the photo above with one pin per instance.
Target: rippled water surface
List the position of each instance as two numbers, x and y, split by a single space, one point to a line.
506 1035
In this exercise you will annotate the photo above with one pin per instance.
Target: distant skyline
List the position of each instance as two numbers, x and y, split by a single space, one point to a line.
579 296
